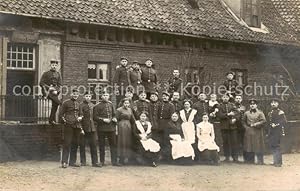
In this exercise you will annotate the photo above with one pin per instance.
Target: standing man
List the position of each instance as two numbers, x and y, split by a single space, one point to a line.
165 111
201 106
253 122
51 83
176 102
141 105
135 78
228 117
240 109
87 122
277 122
104 115
121 79
69 115
231 85
174 82
149 77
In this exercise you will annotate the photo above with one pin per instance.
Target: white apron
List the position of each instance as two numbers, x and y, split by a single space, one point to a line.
181 148
206 137
149 144
188 127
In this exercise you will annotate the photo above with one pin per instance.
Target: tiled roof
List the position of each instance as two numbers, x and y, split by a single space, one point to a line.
290 11
211 20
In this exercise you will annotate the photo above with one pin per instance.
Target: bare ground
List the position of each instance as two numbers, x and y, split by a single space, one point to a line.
48 176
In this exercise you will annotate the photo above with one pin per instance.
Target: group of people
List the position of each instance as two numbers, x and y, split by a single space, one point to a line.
149 129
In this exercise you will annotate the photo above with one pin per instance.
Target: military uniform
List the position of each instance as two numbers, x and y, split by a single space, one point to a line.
165 111
49 79
121 78
149 79
140 106
201 107
178 105
254 136
276 117
135 81
231 87
105 110
229 129
153 115
241 109
69 114
174 84
87 122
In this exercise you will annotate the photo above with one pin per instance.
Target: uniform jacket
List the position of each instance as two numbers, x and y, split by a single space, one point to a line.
69 112
254 136
140 106
153 115
86 111
149 79
174 84
276 116
121 76
226 121
241 110
201 107
165 110
178 105
135 77
50 78
104 110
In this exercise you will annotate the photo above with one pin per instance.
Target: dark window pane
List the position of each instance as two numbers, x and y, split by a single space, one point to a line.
100 74
13 64
25 56
25 65
8 55
19 64
30 56
14 55
14 48
92 71
31 49
8 63
19 49
30 64
20 56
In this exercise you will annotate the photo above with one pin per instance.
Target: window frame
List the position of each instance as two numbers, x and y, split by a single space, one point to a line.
108 64
244 77
10 59
249 6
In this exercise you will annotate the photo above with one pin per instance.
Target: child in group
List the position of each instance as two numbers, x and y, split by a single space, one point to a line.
148 149
206 141
213 105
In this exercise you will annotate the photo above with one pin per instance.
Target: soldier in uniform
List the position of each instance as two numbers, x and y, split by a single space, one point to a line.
240 108
51 83
69 116
177 102
135 78
121 79
175 82
141 105
87 122
104 115
149 77
228 117
201 106
153 108
277 122
231 85
253 122
165 111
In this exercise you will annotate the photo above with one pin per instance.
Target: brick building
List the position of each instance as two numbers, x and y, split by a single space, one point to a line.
203 39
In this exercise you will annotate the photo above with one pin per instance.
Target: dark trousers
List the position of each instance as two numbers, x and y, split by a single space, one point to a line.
230 143
250 157
112 140
90 138
55 103
277 156
275 139
71 141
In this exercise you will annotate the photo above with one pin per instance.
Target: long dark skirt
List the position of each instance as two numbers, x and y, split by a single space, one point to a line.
209 157
124 139
145 157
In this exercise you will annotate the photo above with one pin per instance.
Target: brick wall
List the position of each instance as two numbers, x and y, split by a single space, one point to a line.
33 142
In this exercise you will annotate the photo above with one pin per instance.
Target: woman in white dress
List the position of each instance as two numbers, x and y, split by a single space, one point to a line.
148 149
177 148
187 116
206 141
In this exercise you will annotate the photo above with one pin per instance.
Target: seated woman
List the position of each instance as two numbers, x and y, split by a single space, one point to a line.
148 149
206 142
177 148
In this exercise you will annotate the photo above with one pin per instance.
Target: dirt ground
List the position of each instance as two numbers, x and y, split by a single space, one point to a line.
48 176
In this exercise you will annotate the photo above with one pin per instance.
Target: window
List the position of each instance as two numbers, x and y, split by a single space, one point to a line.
193 75
98 71
20 57
98 78
252 13
241 76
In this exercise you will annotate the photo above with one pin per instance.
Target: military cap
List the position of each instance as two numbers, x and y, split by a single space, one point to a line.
53 60
166 93
276 100
123 58
253 101
231 72
154 93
